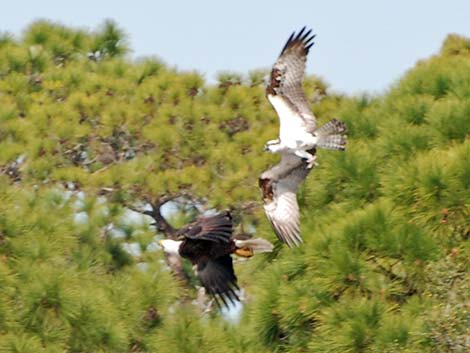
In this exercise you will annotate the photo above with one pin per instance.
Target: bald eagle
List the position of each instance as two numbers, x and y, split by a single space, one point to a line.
208 243
298 130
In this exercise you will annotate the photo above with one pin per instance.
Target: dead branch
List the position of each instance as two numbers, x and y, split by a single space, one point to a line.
162 225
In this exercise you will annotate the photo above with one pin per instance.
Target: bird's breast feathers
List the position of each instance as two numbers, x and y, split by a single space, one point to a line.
292 128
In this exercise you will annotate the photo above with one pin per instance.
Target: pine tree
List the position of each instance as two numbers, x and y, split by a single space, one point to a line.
87 136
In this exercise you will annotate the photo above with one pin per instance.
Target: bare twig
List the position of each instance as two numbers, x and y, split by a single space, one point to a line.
162 225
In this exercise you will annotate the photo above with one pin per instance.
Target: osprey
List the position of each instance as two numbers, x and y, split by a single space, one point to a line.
208 243
298 131
279 186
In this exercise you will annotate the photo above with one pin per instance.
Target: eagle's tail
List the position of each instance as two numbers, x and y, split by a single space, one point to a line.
249 247
332 135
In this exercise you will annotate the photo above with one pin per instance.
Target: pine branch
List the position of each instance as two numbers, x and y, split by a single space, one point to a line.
162 225
160 221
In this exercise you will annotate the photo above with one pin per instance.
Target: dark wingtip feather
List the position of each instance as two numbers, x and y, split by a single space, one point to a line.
219 280
306 35
289 40
231 296
299 35
302 37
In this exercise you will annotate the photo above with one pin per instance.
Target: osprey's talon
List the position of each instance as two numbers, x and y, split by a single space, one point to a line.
298 139
312 162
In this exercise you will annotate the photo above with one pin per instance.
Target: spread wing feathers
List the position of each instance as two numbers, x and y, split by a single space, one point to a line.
279 188
219 280
217 228
285 88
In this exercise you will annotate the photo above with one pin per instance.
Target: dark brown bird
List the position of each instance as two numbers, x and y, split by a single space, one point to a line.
208 243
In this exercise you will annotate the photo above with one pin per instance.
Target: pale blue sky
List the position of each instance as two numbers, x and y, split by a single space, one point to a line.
361 45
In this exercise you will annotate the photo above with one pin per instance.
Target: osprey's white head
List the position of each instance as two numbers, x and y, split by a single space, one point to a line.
273 146
170 246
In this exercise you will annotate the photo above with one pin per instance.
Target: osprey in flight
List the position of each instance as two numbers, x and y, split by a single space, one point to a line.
208 244
298 130
279 186
298 139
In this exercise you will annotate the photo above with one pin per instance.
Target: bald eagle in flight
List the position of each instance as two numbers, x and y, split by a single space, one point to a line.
298 130
208 243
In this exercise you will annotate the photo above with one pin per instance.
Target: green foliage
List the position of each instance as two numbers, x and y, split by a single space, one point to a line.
84 133
110 41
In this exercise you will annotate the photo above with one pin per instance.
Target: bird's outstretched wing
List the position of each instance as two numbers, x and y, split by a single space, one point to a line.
279 186
217 228
285 91
219 280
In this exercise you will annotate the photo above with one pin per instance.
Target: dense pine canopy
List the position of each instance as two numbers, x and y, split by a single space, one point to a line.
86 134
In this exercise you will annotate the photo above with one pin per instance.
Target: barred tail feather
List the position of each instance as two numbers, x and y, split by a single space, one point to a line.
332 135
332 142
333 127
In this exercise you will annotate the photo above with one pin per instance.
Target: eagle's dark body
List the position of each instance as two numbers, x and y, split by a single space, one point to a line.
208 243
198 251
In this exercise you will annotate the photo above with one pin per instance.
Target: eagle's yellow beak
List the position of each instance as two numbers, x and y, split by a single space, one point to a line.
160 242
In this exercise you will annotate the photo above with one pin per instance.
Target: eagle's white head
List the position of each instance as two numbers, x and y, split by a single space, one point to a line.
170 246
